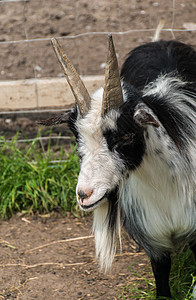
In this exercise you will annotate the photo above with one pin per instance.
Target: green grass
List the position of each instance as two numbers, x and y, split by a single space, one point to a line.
181 280
30 182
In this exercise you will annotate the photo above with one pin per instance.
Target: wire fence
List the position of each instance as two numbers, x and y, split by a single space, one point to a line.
82 27
170 30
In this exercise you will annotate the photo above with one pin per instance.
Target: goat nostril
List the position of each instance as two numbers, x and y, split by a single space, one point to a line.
84 195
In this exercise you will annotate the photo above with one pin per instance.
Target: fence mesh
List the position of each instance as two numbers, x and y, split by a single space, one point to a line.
82 27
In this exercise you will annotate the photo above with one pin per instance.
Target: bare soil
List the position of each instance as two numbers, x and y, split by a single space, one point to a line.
41 260
61 269
65 18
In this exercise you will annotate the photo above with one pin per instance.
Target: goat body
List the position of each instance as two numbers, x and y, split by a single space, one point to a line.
138 160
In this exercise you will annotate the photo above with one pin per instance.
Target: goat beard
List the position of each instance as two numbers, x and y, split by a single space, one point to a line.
107 230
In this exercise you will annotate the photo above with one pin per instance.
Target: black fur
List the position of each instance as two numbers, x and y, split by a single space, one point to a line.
145 63
72 122
113 209
164 57
128 138
161 269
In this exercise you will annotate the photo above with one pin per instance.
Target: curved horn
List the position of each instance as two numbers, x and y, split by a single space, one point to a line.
112 95
76 84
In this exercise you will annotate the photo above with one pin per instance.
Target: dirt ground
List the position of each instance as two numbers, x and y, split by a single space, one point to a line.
65 18
41 260
37 260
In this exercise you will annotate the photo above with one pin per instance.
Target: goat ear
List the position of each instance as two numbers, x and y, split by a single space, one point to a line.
55 120
144 117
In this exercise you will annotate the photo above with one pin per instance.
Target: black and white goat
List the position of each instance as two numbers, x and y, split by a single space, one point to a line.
137 146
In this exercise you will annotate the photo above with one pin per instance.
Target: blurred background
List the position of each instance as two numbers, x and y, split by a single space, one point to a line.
82 27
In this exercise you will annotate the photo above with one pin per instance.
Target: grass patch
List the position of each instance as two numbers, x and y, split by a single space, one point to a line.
30 182
181 280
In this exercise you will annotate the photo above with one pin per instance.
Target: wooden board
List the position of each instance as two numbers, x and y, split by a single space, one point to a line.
41 93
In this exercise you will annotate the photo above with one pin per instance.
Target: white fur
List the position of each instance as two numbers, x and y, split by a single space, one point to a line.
163 193
163 85
168 86
100 170
164 185
105 241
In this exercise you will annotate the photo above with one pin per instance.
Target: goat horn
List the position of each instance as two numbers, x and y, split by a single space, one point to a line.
112 95
79 91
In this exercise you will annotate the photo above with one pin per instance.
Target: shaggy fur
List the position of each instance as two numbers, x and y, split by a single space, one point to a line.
145 152
138 162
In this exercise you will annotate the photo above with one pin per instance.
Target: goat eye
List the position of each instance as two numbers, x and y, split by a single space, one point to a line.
127 138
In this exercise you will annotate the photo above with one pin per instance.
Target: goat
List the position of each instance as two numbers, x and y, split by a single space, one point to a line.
136 143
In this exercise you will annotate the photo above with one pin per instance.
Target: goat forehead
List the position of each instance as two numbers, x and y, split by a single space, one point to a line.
92 126
98 164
